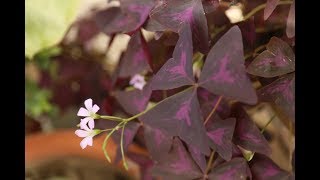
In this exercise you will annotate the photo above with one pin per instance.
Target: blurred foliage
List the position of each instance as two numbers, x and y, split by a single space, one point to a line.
37 100
46 22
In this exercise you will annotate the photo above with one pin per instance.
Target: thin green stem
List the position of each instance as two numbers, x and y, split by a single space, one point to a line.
210 162
121 146
213 110
106 140
261 7
271 119
145 111
112 118
258 49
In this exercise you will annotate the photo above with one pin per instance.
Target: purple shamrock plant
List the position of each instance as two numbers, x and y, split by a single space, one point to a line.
199 127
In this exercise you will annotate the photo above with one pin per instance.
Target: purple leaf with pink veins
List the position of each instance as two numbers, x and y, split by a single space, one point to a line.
128 18
134 101
221 132
277 60
179 115
290 30
263 168
177 164
135 59
158 143
237 168
130 131
224 71
282 93
177 71
174 13
270 6
247 135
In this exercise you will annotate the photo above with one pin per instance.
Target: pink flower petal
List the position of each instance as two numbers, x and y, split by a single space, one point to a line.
83 123
83 112
95 108
88 104
89 140
81 133
91 124
139 85
85 142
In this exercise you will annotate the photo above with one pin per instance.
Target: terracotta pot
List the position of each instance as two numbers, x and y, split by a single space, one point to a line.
64 143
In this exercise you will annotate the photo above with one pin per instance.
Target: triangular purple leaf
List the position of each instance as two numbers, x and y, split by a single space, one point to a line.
277 60
177 164
282 93
247 135
130 131
134 101
158 143
145 164
128 18
198 157
270 6
179 115
177 71
263 168
237 168
174 13
224 71
291 21
220 132
135 59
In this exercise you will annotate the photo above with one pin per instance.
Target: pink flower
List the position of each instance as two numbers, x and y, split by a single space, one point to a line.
138 81
89 113
87 133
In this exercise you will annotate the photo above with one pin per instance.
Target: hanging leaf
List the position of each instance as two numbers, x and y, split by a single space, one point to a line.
127 18
282 93
134 101
263 168
270 6
135 59
46 22
220 132
291 21
179 115
277 60
174 13
237 168
177 164
177 71
158 143
224 72
247 134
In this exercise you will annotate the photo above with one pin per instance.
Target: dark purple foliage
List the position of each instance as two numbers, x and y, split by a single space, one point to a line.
271 5
221 132
135 59
198 157
237 168
179 115
224 72
291 21
128 18
263 168
210 5
247 135
134 101
177 164
277 60
158 142
282 93
177 71
174 14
